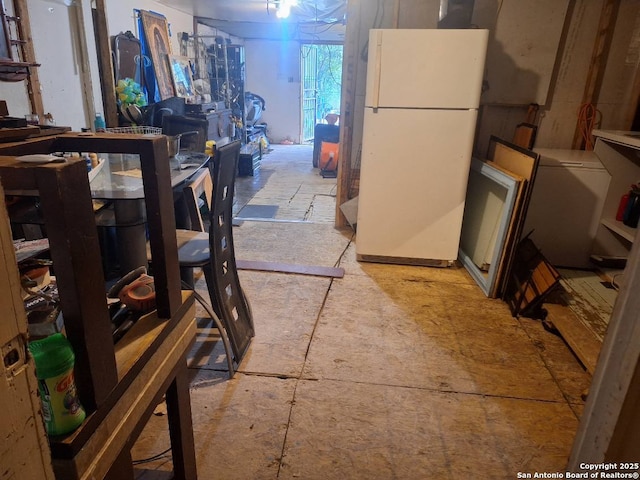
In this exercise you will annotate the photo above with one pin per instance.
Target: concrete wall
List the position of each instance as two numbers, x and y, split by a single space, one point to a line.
558 118
273 72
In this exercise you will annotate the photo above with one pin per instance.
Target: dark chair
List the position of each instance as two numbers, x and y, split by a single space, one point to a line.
214 253
198 192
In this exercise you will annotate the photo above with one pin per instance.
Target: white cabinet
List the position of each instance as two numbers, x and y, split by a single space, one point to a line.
619 152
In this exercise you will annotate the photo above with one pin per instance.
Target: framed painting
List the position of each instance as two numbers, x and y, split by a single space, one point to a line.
182 77
156 33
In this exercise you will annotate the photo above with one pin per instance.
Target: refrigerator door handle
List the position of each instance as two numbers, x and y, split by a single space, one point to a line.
378 71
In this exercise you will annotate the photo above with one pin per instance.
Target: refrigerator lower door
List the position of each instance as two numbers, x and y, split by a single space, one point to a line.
413 181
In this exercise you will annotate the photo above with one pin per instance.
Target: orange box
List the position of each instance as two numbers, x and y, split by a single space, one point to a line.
328 156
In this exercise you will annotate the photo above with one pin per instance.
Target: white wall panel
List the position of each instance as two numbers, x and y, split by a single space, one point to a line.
273 72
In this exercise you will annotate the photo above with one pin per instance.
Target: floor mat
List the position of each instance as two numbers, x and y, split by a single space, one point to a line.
257 211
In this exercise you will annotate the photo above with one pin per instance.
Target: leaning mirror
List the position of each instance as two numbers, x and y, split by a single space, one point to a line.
127 58
491 195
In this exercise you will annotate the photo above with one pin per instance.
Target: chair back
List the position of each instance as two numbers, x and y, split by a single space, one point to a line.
227 296
198 187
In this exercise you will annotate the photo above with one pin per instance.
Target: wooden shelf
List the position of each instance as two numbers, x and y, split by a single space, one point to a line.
146 357
627 139
628 233
145 335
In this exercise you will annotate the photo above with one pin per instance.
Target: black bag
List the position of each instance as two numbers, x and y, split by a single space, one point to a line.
632 211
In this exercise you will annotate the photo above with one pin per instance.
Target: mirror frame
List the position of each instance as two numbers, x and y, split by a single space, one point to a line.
486 283
126 43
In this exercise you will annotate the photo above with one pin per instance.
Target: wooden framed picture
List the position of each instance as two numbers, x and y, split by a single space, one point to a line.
182 77
156 33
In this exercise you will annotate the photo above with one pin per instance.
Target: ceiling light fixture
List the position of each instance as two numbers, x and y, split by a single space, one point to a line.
283 11
283 7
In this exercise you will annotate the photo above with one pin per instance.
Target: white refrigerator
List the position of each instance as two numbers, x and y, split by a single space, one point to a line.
421 105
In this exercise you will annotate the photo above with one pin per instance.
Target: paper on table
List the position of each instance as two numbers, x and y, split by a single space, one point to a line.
40 158
135 172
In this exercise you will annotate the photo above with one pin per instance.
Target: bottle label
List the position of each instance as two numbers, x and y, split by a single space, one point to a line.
61 406
99 123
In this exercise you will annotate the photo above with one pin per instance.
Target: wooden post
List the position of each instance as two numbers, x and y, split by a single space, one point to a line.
107 75
85 68
71 229
350 62
599 58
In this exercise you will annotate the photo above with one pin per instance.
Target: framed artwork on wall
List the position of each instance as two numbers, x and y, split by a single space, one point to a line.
156 33
182 77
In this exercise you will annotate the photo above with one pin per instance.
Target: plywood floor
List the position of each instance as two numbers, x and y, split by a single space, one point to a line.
390 372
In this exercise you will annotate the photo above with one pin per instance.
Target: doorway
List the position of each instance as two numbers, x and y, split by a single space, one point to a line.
321 85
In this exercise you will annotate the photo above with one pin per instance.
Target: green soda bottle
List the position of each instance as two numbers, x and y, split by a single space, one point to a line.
54 359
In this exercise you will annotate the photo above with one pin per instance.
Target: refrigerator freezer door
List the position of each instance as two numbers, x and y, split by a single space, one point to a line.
425 68
413 181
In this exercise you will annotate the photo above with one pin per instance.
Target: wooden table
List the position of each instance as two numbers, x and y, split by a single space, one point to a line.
118 386
120 182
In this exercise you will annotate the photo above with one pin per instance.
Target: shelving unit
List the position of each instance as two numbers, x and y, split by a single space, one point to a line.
619 152
120 385
212 118
236 74
226 70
